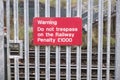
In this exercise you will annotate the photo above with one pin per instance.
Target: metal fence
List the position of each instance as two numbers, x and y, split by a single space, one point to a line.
94 60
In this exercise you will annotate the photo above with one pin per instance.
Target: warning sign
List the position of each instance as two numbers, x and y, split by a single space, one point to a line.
57 31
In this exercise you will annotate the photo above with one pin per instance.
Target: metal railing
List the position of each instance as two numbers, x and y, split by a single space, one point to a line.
61 62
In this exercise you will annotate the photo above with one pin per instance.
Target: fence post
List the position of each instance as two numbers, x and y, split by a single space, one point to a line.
2 74
117 63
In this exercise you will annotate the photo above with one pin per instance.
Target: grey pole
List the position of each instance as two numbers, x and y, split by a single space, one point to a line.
2 74
117 53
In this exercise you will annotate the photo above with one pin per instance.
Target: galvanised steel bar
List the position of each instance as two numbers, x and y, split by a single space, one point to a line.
26 38
37 8
58 7
37 56
68 63
89 39
47 60
79 8
47 8
16 24
79 14
37 63
78 63
47 48
2 67
117 51
108 39
100 39
8 37
68 8
16 68
57 63
16 36
68 48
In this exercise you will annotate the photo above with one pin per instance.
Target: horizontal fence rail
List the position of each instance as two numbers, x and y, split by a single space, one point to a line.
93 60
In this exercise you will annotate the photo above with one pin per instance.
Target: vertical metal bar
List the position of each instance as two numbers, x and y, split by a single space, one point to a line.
78 63
79 14
2 74
58 6
37 59
36 4
37 68
57 63
21 48
79 8
89 39
117 47
68 63
100 39
68 7
47 59
47 72
26 38
57 47
8 37
16 29
16 38
68 48
108 39
16 69
47 8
